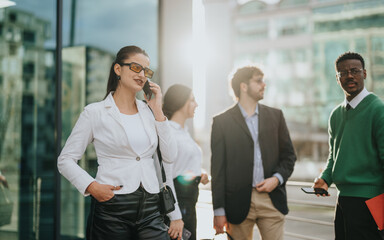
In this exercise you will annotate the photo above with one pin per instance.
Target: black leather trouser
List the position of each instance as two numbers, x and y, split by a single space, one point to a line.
127 216
187 194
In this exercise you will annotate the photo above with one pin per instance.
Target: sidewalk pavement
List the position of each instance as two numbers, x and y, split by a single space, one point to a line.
303 221
204 215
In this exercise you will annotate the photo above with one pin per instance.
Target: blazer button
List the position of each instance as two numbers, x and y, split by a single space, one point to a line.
137 158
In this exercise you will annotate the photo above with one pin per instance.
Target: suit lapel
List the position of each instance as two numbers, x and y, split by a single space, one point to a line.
112 109
263 134
262 120
239 119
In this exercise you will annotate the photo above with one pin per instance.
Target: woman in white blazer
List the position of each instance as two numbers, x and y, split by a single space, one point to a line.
125 133
179 105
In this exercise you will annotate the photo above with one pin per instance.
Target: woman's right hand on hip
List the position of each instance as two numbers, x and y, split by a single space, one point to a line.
102 192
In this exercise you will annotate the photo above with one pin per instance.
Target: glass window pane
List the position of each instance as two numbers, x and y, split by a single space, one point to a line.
27 119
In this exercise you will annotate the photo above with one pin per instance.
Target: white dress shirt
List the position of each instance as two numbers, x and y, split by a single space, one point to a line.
357 99
188 159
119 164
253 126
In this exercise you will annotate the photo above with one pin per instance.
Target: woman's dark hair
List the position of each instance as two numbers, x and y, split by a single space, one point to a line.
175 98
347 56
124 53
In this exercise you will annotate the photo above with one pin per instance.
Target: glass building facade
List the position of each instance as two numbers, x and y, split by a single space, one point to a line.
91 32
297 42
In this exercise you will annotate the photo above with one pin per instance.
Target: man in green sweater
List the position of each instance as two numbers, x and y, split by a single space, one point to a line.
356 152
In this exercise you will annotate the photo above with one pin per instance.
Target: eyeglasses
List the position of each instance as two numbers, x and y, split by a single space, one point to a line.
354 71
137 68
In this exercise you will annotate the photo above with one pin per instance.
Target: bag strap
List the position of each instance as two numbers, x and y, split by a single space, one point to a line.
163 176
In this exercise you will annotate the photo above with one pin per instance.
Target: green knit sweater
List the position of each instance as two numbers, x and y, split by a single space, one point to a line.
356 149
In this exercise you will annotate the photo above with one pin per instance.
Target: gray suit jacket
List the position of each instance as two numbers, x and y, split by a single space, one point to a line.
232 159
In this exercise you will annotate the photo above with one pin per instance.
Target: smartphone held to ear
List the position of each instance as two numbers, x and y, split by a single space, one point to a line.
310 190
147 90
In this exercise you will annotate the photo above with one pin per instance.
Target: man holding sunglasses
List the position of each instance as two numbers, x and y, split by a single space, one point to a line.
356 158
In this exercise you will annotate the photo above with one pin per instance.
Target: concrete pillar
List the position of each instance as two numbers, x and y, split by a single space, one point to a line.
219 27
175 42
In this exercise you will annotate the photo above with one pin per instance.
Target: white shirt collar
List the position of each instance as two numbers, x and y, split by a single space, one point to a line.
176 125
356 100
244 113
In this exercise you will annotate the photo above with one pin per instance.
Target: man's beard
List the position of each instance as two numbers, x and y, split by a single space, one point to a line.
256 96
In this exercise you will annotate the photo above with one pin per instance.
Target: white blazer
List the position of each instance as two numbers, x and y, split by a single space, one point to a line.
119 164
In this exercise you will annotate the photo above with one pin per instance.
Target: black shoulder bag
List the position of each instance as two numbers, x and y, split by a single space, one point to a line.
167 199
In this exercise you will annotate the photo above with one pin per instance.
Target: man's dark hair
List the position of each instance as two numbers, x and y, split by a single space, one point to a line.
349 55
243 75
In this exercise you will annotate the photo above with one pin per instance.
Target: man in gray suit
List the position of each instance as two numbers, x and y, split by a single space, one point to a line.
252 158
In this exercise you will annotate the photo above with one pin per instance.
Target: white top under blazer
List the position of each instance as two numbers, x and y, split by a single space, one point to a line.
189 154
118 163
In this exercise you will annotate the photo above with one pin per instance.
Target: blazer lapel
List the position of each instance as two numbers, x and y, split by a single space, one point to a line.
239 119
112 109
263 119
114 112
264 134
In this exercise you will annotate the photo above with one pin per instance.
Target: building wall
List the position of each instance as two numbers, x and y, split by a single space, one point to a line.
296 44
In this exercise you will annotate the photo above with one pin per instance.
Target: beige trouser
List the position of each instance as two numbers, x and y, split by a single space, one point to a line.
268 219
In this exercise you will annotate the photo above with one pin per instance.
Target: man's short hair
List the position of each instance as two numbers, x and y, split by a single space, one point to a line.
349 55
243 75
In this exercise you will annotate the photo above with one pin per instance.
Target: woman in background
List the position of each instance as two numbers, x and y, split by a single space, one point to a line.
125 133
179 105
